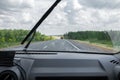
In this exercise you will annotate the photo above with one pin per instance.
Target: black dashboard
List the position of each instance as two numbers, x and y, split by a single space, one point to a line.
61 66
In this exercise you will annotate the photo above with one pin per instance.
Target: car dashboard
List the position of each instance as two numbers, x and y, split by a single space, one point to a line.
61 66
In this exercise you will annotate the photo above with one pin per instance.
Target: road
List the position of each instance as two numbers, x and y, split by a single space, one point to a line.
63 45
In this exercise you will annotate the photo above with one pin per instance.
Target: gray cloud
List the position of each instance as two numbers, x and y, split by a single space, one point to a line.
82 17
15 5
69 15
100 4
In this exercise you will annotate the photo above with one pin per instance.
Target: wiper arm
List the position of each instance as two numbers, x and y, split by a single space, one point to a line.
41 20
27 45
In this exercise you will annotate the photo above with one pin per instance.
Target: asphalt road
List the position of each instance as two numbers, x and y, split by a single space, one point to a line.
63 45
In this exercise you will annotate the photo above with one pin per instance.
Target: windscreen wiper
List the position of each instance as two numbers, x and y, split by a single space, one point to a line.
39 22
27 45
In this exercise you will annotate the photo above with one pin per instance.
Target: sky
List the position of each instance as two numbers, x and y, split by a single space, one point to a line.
69 15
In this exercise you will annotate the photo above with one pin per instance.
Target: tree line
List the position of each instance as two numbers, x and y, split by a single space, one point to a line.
91 36
87 35
11 36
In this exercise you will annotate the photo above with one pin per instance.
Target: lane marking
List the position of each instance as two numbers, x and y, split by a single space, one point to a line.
45 47
73 45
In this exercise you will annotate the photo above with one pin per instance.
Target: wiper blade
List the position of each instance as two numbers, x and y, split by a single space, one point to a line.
27 45
41 20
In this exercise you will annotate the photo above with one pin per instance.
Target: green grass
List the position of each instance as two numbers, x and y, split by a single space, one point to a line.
103 42
100 43
8 44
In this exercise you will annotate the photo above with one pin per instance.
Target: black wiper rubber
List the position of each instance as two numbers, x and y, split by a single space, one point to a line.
41 20
27 45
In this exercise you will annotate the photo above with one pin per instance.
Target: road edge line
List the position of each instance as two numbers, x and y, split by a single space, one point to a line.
73 45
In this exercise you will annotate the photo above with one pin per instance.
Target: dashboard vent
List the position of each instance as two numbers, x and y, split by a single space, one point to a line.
114 62
6 58
8 75
119 76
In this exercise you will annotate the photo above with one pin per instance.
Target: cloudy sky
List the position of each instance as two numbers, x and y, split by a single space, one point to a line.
69 15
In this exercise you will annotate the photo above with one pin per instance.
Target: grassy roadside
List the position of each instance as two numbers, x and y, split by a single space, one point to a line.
8 44
102 44
13 44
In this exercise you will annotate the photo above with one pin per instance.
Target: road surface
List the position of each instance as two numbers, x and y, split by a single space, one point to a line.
62 45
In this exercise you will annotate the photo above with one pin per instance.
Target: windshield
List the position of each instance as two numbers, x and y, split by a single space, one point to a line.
74 25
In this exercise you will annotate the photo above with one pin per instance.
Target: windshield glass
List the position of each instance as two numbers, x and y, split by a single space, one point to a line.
74 25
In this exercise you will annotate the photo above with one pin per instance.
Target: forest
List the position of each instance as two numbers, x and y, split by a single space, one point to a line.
14 37
101 37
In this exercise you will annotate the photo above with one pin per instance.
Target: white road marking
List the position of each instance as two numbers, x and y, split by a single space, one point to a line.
45 47
73 45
